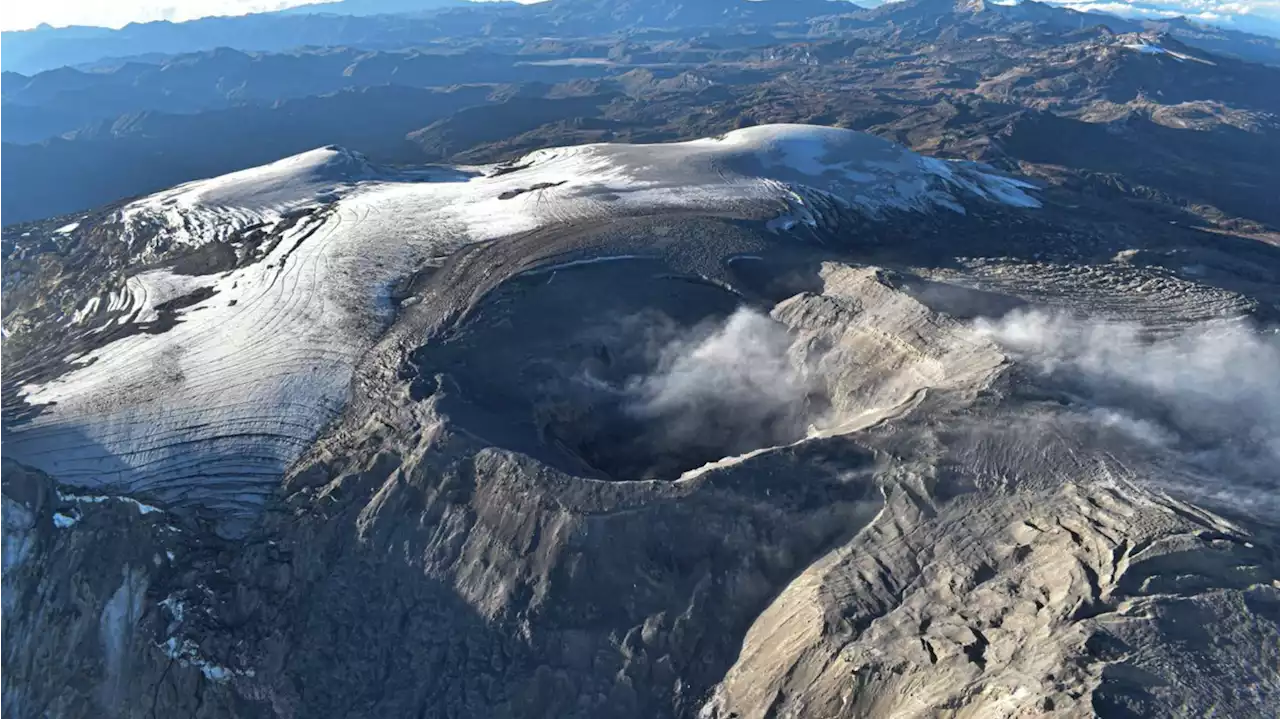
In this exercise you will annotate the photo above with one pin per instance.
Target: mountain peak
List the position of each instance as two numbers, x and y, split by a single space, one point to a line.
671 13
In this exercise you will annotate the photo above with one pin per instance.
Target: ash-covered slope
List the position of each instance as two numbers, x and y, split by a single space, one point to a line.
790 422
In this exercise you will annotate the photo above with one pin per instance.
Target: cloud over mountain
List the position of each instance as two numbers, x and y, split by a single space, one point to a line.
1252 15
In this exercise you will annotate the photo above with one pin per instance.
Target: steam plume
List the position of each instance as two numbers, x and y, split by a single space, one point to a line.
1210 391
731 386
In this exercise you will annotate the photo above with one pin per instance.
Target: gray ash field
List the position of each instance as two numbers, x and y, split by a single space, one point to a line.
785 420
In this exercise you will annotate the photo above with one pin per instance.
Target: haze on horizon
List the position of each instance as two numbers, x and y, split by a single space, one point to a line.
61 13
1250 15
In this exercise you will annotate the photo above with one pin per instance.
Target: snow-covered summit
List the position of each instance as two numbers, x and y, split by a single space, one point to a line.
870 172
865 172
208 210
279 184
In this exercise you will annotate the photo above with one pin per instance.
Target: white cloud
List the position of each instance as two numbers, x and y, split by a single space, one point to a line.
1252 15
730 385
1120 9
1208 393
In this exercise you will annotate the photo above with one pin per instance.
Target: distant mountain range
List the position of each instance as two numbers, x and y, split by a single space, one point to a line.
366 24
56 102
412 88
961 18
47 48
358 25
376 7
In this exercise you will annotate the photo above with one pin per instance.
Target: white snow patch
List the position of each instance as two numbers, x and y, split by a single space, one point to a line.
65 229
176 608
99 499
89 310
1146 49
62 521
801 213
187 653
1151 48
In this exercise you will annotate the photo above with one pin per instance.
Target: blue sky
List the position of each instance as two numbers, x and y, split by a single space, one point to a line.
1252 15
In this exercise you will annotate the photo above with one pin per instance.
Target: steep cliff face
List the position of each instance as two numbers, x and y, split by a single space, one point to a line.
79 575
